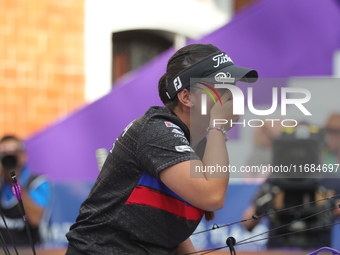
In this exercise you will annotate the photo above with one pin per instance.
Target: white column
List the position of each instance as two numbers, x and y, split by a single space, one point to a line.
336 64
98 55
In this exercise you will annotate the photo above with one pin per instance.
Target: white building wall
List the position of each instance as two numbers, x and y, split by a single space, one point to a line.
186 18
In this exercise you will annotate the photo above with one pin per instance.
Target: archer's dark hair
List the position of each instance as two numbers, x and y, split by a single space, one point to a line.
183 58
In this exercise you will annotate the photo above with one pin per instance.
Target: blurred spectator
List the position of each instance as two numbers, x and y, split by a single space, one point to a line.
273 196
299 146
331 153
36 194
261 154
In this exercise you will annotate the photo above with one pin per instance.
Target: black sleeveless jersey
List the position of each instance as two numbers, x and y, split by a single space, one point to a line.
129 210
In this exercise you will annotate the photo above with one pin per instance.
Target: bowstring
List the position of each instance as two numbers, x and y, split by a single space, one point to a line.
254 217
257 240
290 233
285 225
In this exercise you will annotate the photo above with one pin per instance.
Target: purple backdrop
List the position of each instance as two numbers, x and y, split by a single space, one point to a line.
279 38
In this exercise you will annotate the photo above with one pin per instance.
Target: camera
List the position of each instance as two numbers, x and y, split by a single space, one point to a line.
297 150
9 162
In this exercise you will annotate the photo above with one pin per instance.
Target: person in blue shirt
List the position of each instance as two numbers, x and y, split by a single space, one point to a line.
35 195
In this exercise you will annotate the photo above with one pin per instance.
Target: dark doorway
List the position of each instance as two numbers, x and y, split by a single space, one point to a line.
131 49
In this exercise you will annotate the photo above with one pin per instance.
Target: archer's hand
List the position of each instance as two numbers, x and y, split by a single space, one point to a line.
224 111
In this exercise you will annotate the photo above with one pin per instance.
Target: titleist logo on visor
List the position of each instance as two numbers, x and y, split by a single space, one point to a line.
221 59
217 65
